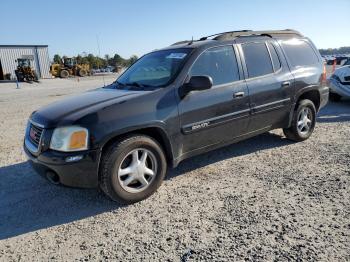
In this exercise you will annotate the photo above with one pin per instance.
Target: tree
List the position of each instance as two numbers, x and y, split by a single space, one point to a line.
79 59
57 59
132 59
98 62
335 51
117 60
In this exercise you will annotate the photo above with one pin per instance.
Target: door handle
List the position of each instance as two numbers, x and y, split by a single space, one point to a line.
286 84
238 95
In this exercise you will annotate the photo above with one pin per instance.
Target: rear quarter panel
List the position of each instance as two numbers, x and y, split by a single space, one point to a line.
308 77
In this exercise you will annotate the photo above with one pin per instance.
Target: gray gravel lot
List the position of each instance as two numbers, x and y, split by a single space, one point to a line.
261 199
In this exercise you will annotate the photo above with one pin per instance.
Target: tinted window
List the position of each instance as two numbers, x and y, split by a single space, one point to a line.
219 63
257 59
274 56
299 52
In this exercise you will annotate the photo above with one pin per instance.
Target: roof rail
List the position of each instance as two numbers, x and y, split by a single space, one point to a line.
270 33
240 31
183 42
234 34
206 37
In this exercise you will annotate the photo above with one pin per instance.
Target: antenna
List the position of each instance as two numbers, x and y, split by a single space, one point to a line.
99 54
190 43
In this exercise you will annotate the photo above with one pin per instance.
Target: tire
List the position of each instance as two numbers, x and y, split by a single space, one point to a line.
334 97
125 187
19 76
82 72
36 78
299 134
64 74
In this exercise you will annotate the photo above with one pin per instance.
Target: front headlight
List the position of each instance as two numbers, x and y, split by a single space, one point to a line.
69 139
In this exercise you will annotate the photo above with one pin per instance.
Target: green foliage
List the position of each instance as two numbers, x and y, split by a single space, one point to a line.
96 62
56 59
335 51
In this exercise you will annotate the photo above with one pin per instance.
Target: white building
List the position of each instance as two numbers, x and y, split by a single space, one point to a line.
38 54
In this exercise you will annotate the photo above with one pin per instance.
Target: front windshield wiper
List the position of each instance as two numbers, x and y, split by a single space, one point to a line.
137 84
119 83
134 84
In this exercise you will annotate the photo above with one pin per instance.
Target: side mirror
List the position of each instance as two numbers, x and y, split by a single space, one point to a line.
196 83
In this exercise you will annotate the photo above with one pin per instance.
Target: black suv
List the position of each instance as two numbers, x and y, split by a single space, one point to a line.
177 102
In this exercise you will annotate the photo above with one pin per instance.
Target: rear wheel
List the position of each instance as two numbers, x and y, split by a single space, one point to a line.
334 97
35 77
132 169
303 122
83 72
64 74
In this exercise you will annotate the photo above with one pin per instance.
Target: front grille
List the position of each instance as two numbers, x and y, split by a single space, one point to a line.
35 134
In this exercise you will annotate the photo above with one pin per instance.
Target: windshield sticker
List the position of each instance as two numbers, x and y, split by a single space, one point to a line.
177 56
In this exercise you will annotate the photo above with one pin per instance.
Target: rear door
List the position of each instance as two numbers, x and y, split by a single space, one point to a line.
221 113
269 82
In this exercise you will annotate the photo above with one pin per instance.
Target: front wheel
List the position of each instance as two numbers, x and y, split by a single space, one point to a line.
64 74
132 169
303 122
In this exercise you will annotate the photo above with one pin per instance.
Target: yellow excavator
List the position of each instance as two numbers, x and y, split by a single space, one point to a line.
69 67
24 71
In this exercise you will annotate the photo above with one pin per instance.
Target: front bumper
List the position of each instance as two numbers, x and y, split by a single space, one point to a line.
339 88
82 173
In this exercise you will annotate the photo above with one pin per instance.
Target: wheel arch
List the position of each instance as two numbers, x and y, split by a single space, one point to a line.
155 132
312 93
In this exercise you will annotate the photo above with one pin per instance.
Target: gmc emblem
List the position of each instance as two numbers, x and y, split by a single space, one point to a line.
32 134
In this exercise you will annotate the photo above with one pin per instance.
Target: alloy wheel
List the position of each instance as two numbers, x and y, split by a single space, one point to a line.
304 123
137 170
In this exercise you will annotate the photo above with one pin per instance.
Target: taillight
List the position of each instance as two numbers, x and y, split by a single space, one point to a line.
324 75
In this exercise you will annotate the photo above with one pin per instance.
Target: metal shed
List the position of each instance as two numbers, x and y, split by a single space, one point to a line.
38 54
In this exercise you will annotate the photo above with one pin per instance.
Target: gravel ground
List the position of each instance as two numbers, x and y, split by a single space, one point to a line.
262 199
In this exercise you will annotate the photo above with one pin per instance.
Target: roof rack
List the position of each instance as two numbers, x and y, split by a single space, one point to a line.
240 31
270 33
234 34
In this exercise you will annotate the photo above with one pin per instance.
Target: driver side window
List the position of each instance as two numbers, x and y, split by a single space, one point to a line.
219 63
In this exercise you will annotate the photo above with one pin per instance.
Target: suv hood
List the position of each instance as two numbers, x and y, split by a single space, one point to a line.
75 107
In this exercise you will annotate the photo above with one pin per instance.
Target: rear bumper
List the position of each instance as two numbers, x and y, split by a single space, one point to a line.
82 173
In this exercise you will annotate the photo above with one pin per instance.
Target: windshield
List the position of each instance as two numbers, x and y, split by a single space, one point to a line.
156 69
24 62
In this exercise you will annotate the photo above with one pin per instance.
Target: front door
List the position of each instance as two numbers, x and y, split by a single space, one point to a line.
221 113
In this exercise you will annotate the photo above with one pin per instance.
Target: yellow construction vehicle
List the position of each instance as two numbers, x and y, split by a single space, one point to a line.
24 71
69 67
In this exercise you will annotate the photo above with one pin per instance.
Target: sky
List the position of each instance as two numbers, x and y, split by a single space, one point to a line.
135 27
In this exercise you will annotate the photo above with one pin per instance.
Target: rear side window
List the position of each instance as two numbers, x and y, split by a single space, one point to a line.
257 59
274 56
219 63
299 53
